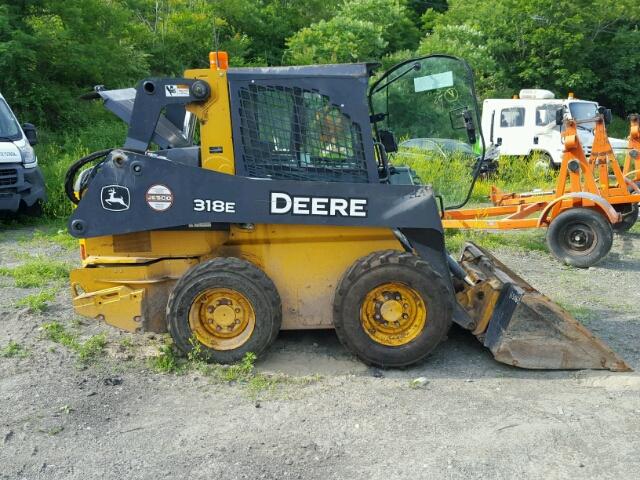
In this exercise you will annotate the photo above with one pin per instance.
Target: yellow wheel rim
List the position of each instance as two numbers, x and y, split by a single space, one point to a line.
222 318
393 314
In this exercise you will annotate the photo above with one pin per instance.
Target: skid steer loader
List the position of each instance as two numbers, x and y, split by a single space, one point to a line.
287 215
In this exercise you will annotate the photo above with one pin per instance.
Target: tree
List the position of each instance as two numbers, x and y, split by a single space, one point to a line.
338 40
561 45
52 51
398 29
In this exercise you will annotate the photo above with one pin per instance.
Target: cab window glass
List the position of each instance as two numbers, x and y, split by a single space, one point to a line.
546 114
512 117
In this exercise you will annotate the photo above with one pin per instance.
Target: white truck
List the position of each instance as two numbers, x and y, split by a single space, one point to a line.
524 125
22 185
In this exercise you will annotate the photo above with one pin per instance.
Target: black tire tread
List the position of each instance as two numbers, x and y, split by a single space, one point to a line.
238 266
367 263
584 215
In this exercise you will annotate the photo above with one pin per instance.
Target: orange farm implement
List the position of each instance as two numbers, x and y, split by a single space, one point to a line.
593 197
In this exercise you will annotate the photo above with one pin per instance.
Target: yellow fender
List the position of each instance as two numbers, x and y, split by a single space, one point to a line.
606 207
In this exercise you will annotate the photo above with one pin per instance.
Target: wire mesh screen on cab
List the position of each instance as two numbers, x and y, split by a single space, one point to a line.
298 134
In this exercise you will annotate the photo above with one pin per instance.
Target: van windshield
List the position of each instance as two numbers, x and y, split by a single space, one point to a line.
583 111
9 128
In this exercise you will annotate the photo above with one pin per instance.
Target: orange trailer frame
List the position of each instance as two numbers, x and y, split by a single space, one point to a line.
597 182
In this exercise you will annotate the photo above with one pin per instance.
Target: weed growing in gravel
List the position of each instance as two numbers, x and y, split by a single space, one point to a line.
167 361
243 372
14 349
37 302
37 272
86 351
58 236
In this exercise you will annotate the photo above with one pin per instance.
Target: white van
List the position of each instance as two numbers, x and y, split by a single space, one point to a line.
521 126
21 182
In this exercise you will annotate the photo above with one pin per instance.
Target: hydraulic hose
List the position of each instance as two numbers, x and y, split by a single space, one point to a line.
75 167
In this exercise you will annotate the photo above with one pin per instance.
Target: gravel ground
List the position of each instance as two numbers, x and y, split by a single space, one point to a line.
329 416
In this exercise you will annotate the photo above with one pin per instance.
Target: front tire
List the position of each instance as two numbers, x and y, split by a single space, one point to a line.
580 237
228 306
392 309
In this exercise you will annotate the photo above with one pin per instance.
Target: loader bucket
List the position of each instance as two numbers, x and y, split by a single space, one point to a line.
521 326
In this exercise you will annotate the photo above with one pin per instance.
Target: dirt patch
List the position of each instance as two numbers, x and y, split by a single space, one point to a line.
328 415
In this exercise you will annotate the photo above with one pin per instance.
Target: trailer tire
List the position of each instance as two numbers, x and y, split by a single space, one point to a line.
226 308
629 213
392 309
580 237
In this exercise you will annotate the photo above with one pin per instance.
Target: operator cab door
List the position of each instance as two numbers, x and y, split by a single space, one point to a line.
429 105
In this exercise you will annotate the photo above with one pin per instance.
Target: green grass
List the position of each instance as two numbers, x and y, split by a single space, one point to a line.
53 232
533 239
86 351
451 175
13 349
37 302
243 373
37 272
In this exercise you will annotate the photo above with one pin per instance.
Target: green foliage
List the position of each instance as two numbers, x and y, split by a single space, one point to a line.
167 360
361 30
561 45
37 272
14 349
57 50
339 40
59 150
37 302
86 351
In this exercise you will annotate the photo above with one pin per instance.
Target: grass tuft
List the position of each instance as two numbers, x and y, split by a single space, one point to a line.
14 349
37 272
86 351
242 373
37 302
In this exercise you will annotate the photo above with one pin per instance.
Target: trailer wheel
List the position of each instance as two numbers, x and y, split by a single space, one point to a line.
580 237
392 309
629 213
228 307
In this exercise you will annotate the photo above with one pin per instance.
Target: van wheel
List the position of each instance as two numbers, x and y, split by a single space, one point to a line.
545 159
34 210
580 237
392 309
225 307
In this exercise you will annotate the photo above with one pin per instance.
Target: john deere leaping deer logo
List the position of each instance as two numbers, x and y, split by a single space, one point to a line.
115 198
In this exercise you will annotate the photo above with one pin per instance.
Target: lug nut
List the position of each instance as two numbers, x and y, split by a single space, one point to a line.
237 322
405 316
237 310
210 309
218 328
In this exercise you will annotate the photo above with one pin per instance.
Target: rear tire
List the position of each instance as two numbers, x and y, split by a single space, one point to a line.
392 309
226 305
580 237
